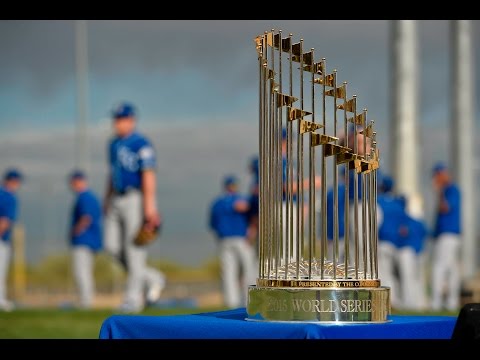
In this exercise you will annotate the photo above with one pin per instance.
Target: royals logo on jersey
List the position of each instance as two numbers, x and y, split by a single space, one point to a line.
128 158
147 156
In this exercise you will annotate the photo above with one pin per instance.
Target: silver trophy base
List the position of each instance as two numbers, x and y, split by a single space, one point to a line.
314 304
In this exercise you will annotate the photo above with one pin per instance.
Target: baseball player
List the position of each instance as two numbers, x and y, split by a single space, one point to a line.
412 237
390 211
228 219
447 231
85 236
12 180
129 203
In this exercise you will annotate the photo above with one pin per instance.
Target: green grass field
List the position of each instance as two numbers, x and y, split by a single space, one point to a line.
83 324
66 324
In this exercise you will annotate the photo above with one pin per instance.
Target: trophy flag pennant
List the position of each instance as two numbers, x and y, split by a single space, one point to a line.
270 74
345 157
276 41
296 49
320 67
368 131
294 113
359 120
308 126
348 105
286 43
315 68
259 44
269 36
320 139
275 87
308 58
283 99
308 64
332 149
340 92
329 81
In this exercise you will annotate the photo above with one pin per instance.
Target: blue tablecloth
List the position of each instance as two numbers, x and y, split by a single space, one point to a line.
232 324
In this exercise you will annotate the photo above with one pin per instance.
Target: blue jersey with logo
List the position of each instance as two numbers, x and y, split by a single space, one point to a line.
225 221
8 210
340 211
393 214
87 203
128 157
449 222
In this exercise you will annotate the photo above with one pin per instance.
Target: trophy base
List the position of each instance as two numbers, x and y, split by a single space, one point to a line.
338 305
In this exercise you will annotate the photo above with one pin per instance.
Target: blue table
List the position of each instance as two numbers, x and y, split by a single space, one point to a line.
232 324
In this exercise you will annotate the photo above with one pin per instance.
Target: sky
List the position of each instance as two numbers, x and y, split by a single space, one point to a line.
195 83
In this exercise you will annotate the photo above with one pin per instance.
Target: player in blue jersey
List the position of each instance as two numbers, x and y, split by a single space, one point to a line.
85 236
228 219
390 211
412 236
131 202
12 180
447 241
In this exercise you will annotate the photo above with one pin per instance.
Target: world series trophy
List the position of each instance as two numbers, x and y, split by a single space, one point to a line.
303 275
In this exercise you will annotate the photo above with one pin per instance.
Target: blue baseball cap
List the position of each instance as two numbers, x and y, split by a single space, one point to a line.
77 174
438 167
284 133
13 174
124 109
230 180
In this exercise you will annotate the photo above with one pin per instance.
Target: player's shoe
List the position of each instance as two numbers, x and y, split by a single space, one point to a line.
6 306
154 291
127 308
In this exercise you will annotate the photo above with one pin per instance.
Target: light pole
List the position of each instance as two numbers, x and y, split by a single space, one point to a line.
463 130
81 66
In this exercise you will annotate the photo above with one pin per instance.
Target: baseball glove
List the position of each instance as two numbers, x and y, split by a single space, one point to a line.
147 234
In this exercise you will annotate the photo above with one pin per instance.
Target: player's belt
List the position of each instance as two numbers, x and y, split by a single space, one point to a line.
123 191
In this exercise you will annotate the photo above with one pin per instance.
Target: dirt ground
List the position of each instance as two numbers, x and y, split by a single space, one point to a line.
201 294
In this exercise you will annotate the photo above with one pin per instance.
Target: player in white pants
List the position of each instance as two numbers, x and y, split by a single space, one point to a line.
389 214
130 201
412 238
85 236
8 215
446 252
228 219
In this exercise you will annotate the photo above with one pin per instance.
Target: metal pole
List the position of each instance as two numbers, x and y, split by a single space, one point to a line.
404 133
81 66
462 127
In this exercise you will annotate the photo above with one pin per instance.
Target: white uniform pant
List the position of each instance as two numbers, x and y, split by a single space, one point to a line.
122 221
237 269
446 272
387 258
410 283
83 261
5 251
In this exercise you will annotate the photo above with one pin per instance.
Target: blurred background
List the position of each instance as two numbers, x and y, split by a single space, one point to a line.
195 83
